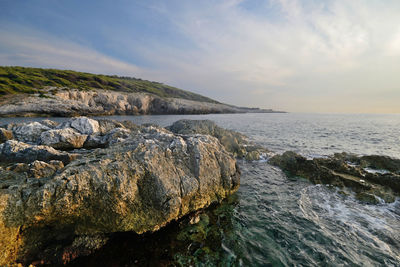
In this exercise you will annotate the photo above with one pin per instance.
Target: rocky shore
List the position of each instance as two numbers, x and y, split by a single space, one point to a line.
65 187
72 102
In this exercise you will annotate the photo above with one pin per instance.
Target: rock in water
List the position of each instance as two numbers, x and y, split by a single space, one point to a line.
337 171
139 185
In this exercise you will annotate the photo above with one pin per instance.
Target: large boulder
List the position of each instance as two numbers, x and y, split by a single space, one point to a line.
83 125
14 151
29 133
64 139
139 185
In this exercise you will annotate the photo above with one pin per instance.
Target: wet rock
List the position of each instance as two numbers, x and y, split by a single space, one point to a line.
30 133
5 135
14 151
381 162
367 198
340 170
66 138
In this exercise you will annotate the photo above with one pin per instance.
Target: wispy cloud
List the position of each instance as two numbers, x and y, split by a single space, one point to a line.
26 47
312 53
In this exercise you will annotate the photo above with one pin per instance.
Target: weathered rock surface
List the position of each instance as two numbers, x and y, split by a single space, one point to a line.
143 179
29 133
5 135
64 139
233 142
346 170
83 125
72 102
40 169
114 136
15 151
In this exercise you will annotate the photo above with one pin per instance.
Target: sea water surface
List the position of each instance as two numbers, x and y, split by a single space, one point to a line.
274 220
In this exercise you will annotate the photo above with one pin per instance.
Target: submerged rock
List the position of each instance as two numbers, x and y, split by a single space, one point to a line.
140 183
342 170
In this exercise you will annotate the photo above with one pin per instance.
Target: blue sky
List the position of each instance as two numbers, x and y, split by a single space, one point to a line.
307 56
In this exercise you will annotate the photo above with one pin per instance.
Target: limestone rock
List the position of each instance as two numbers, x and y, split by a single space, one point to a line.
64 139
49 123
114 136
107 125
83 125
30 133
5 135
140 185
40 169
232 141
14 151
72 102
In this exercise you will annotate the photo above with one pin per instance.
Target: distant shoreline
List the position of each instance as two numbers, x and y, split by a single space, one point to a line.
73 102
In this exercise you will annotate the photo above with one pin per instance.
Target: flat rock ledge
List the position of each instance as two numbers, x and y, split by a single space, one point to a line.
111 177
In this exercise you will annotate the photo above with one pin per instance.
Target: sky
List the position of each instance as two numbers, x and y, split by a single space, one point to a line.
292 55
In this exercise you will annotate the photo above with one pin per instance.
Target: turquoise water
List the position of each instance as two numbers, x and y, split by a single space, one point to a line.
273 220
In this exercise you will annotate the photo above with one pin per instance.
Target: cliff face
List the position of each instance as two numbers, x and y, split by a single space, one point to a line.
101 102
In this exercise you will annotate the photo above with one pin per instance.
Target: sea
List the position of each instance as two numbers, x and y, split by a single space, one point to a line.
275 220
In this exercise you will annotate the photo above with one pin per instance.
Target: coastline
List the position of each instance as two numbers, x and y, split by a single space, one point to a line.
73 102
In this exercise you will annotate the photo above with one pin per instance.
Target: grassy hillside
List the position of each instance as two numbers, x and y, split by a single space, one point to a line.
15 80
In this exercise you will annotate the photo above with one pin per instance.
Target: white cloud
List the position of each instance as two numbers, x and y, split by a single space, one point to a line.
325 48
32 48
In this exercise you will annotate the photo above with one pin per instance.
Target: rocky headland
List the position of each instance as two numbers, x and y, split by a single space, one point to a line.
50 92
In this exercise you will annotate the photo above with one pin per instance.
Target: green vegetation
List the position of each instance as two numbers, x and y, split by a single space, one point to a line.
15 80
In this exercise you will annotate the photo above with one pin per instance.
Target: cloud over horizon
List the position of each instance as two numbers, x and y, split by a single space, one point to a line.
308 56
